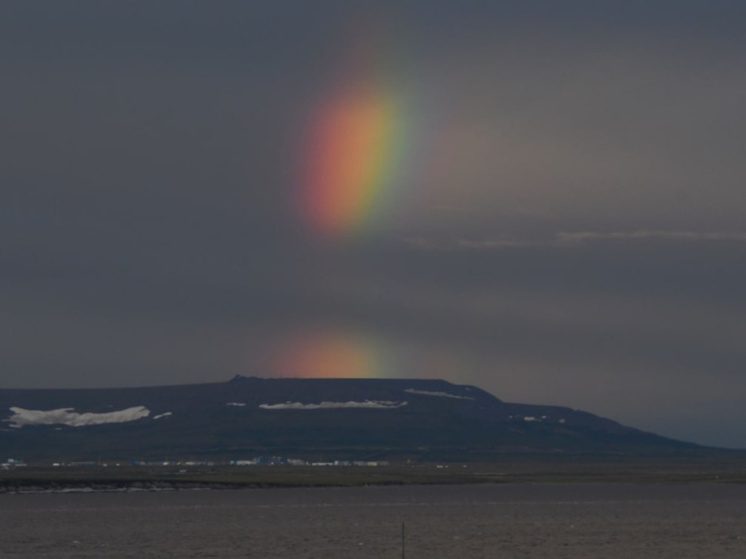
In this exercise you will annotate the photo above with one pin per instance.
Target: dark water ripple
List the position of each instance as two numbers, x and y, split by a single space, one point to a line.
515 521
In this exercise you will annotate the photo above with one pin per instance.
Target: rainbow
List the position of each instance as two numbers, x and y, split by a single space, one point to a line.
353 151
330 355
343 353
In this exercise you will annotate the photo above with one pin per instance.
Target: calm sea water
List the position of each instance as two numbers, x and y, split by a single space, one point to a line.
499 521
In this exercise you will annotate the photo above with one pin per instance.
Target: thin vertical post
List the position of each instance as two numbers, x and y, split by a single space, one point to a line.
403 533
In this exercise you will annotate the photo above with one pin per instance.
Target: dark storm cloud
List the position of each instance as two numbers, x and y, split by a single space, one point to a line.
581 242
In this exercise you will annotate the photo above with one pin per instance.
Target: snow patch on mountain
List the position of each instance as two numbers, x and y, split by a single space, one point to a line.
367 404
236 404
437 394
159 416
68 416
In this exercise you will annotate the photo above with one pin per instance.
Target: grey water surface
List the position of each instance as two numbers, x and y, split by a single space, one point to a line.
495 521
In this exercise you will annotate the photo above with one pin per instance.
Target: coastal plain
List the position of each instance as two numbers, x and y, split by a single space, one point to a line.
713 467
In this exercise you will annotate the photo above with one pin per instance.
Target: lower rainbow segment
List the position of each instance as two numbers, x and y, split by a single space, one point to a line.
353 156
331 355
340 353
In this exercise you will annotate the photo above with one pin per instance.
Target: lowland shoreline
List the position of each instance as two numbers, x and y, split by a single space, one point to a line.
718 468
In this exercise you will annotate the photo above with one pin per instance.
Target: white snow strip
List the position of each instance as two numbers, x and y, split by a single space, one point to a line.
68 416
437 394
162 415
236 404
368 404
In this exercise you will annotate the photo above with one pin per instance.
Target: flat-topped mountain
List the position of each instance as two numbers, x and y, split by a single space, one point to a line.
321 419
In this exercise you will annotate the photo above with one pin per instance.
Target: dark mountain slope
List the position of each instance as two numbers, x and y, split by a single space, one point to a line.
306 418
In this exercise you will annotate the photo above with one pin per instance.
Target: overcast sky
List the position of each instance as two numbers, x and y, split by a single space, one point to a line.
569 226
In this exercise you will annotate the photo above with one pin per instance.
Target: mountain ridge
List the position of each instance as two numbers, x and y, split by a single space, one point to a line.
327 418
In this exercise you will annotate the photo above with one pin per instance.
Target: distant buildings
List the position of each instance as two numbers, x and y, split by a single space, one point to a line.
12 463
281 461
